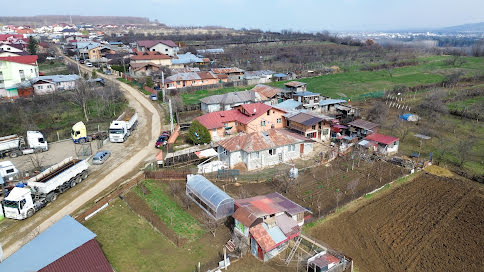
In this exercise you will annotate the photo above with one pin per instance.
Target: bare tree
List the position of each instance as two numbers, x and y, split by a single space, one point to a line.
210 223
81 95
175 188
186 201
37 160
378 112
338 194
352 186
284 183
464 149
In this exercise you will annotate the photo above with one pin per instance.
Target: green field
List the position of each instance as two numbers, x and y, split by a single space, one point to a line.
354 83
168 210
131 244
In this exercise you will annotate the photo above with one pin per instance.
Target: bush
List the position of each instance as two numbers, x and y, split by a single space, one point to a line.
198 134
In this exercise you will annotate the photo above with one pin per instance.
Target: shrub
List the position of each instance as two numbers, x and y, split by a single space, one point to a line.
198 134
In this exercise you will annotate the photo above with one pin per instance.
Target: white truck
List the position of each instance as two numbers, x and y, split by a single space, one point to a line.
14 145
121 128
25 199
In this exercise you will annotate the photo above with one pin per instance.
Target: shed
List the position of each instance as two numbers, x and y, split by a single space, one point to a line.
215 202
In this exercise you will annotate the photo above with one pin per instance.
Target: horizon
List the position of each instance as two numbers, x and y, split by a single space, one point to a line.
343 16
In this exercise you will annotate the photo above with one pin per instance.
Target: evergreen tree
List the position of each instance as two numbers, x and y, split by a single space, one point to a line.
32 46
198 134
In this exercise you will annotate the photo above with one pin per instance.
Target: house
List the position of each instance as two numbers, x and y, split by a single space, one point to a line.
264 148
256 77
144 69
245 118
156 58
360 128
295 86
182 80
308 99
97 54
228 101
309 125
65 246
233 73
166 47
328 106
14 70
267 223
187 59
383 144
289 105
272 93
13 48
49 84
84 47
322 261
210 198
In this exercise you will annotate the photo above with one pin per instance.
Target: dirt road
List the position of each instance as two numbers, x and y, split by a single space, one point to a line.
14 237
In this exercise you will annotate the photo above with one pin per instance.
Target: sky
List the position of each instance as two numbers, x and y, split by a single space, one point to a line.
297 15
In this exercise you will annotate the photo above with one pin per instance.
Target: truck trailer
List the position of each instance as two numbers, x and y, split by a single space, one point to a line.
121 128
29 197
14 145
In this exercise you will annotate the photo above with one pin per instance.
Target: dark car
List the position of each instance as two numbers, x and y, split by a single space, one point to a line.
82 61
161 141
101 157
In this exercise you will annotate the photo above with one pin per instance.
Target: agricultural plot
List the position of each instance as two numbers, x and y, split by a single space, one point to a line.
429 224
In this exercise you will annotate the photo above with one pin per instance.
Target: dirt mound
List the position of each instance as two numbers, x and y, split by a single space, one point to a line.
430 224
438 171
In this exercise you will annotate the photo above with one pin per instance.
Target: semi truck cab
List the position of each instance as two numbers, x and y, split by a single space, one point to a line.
18 204
118 132
36 140
79 133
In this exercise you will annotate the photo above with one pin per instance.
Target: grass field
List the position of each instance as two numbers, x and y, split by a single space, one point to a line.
354 83
167 209
131 244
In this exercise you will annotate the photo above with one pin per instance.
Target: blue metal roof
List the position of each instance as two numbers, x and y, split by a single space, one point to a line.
289 105
58 240
56 78
280 75
306 93
186 59
275 232
331 102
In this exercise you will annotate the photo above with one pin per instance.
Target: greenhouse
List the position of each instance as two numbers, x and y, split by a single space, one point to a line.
209 197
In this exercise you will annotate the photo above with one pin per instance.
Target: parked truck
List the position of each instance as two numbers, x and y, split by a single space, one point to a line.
14 145
27 198
121 128
79 134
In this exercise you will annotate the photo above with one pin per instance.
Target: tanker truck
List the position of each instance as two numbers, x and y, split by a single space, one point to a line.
15 145
121 128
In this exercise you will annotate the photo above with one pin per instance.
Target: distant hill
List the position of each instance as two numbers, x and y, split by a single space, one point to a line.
76 19
477 27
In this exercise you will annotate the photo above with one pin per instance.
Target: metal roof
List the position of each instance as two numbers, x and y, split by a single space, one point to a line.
331 102
186 58
288 105
294 84
360 123
381 138
305 93
232 98
56 78
305 119
211 195
58 240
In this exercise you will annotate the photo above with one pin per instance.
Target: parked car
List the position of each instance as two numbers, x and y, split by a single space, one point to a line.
101 157
161 141
88 64
50 58
107 72
81 61
153 97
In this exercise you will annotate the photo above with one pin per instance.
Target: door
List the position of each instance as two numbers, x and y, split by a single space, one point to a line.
260 254
302 149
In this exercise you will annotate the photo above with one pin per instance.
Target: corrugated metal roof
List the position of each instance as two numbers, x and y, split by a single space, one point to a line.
266 90
305 93
331 102
242 114
26 59
87 258
186 58
227 70
275 232
268 204
58 240
305 119
262 237
294 84
232 98
149 55
151 43
360 123
56 78
288 105
183 76
381 138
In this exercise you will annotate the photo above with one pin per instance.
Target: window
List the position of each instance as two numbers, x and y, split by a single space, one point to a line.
10 171
311 135
313 127
291 147
223 151
272 152
325 131
235 123
153 50
254 155
279 120
268 112
22 74
166 49
262 123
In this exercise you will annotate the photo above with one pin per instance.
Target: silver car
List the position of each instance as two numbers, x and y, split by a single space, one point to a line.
101 157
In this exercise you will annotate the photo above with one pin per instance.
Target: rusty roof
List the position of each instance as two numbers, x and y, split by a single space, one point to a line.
149 55
360 123
227 70
268 204
262 237
245 215
294 84
206 75
263 140
266 90
305 119
151 43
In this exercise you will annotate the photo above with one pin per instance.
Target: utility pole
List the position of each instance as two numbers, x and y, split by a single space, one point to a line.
163 85
171 115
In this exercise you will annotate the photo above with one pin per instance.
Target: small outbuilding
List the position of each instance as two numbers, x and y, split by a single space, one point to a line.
215 202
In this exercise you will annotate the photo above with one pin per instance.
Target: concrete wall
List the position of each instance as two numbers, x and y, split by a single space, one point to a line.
44 88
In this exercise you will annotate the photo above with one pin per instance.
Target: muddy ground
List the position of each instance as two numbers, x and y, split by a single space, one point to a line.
429 224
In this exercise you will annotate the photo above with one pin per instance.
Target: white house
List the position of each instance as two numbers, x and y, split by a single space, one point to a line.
14 70
49 84
383 144
261 149
166 47
10 48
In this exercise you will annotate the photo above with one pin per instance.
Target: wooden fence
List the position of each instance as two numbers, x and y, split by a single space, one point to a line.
169 174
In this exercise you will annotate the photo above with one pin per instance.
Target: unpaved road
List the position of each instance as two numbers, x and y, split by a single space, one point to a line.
14 236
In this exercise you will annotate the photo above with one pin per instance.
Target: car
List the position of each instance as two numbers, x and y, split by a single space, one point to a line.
161 141
101 157
50 58
107 72
81 61
153 97
88 64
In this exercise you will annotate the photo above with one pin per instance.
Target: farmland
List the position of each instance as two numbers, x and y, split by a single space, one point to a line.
432 223
356 82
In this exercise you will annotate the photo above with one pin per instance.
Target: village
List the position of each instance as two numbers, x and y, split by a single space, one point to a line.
149 154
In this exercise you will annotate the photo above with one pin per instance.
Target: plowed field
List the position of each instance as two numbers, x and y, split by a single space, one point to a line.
429 224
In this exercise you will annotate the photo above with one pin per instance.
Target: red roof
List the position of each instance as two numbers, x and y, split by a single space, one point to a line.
4 37
262 237
149 55
28 59
151 43
242 114
380 138
87 258
206 75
